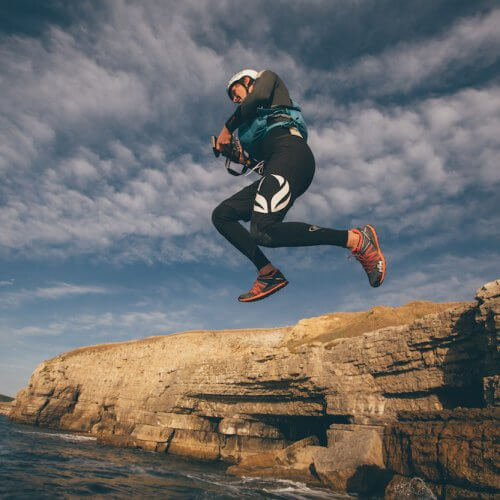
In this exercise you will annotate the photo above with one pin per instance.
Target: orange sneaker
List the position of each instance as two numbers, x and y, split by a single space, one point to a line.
264 286
368 253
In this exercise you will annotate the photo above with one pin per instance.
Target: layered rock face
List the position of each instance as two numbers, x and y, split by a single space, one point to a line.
457 452
336 381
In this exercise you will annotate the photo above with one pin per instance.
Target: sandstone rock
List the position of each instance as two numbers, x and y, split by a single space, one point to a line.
5 408
365 379
235 448
255 391
488 291
452 492
410 488
488 316
248 427
201 445
187 422
294 462
353 460
337 432
458 448
329 327
151 437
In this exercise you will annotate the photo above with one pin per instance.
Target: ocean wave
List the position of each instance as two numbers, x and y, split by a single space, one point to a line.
60 464
303 493
275 488
57 435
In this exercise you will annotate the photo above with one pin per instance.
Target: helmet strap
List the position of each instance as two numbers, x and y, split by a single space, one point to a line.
247 86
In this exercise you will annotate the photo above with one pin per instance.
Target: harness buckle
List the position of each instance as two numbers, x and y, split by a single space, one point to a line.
295 131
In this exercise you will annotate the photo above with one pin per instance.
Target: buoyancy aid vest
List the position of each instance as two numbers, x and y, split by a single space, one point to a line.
253 132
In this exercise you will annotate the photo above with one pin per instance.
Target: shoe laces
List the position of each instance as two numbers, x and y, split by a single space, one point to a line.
368 258
257 287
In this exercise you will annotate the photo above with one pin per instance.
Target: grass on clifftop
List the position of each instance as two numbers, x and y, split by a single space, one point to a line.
5 399
335 326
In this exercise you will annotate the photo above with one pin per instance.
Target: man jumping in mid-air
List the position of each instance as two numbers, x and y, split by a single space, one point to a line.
271 129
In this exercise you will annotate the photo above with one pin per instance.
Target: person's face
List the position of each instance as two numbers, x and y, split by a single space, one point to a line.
238 92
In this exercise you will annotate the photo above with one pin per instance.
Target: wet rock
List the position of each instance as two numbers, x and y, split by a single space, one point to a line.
410 488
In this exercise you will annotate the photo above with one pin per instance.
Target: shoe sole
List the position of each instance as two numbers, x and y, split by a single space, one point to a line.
265 294
380 252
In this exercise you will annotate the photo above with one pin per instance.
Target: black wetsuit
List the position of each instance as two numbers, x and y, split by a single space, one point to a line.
288 171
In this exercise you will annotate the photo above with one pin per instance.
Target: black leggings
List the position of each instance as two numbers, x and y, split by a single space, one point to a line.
288 172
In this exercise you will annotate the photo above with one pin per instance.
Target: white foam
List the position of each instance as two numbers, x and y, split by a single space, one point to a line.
211 479
303 493
66 437
287 488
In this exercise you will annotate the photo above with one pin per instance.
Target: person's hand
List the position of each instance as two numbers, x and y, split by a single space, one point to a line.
224 139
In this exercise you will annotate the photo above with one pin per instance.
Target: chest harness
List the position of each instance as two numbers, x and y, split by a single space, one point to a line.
252 133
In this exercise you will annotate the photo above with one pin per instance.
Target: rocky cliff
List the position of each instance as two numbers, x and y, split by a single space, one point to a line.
5 404
318 401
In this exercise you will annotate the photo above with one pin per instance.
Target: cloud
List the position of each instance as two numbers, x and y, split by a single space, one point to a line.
104 138
54 292
404 156
408 165
471 44
66 289
65 92
107 325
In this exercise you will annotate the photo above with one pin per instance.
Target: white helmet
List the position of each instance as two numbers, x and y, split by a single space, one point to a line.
239 76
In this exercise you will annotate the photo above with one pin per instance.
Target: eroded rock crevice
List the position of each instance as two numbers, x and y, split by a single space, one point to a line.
295 428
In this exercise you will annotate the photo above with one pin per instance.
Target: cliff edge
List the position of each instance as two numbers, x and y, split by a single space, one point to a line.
320 402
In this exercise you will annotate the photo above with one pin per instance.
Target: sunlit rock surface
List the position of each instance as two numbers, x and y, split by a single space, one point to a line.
340 379
5 404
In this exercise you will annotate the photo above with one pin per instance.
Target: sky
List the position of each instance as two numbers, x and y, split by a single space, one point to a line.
108 181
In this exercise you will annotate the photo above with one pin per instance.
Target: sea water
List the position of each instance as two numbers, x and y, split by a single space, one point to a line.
37 463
